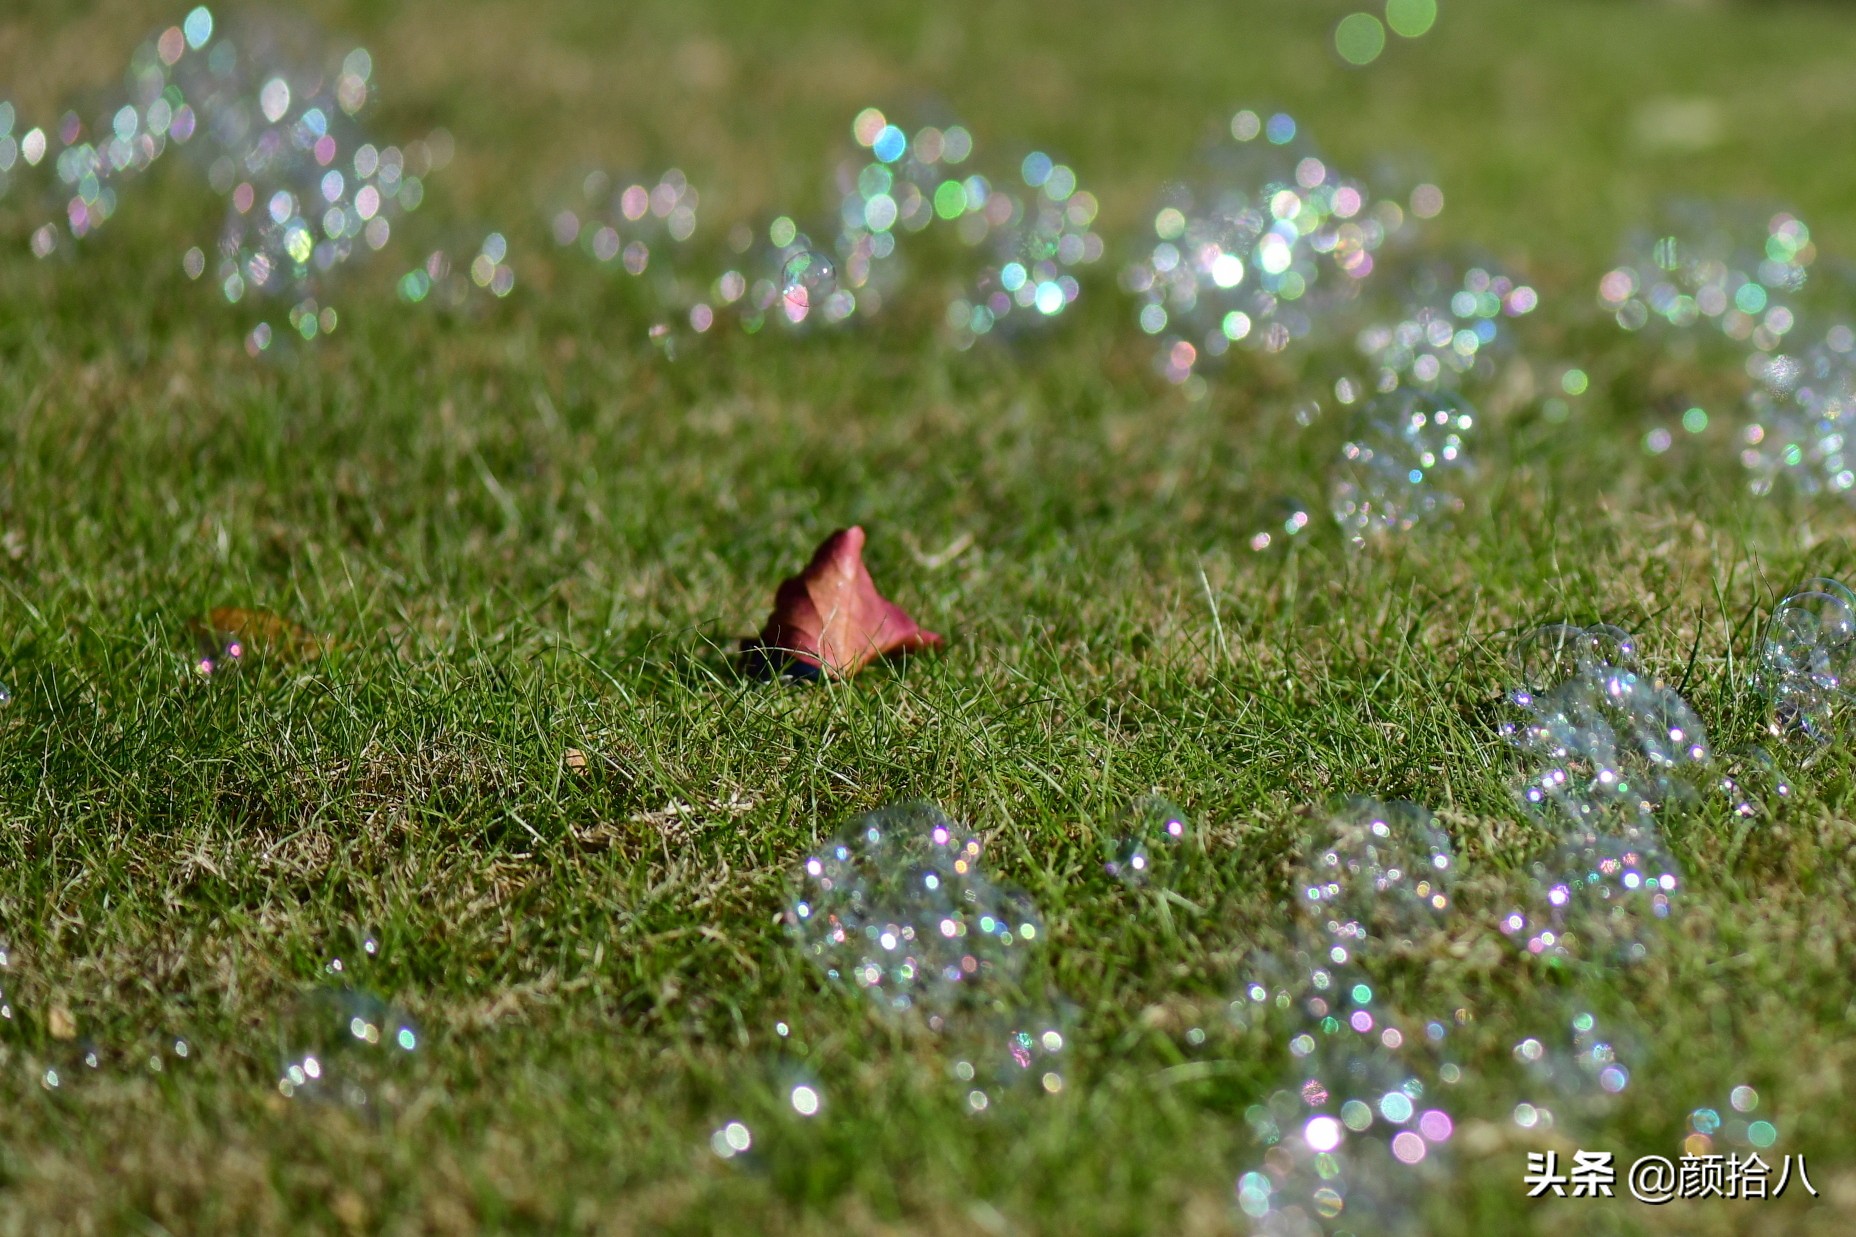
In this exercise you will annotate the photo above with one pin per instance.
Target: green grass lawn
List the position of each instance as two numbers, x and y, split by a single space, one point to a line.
526 532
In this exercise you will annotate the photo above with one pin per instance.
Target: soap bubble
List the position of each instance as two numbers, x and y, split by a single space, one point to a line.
228 637
901 909
1254 249
1605 752
731 1139
1148 841
481 270
1405 461
1357 1133
1707 265
632 224
1035 242
1284 520
1014 1050
1378 872
1799 419
346 1046
1807 655
1359 38
807 279
1549 655
1451 329
1755 784
13 160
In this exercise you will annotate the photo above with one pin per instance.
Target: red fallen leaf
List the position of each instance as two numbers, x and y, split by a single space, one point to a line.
830 617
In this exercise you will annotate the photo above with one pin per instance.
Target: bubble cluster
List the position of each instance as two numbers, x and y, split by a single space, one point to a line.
1739 1123
1451 329
1605 752
1700 265
625 223
897 185
461 283
1380 873
1284 519
1807 655
1799 420
1573 1073
1033 245
15 156
1254 248
1354 1135
1145 847
1025 1049
273 119
346 1046
1406 461
731 1139
900 908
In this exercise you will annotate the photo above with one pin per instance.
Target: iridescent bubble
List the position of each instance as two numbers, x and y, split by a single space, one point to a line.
1035 245
807 279
229 637
348 1047
1755 784
1605 753
1703 264
1800 418
1147 842
1284 521
731 1140
1807 655
6 966
1378 872
1410 19
1406 460
1452 329
1255 248
899 907
1341 1133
